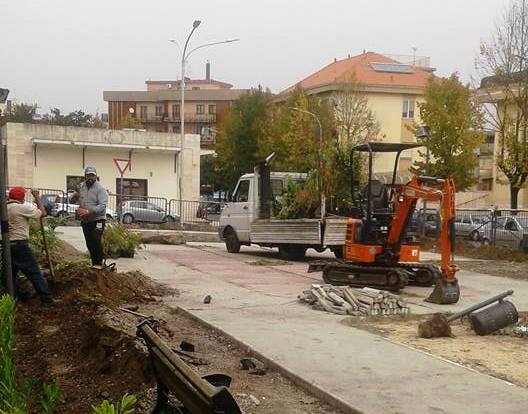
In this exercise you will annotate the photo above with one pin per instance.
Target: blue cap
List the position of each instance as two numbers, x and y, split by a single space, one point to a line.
90 170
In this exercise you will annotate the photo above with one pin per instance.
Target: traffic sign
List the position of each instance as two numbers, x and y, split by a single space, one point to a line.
122 164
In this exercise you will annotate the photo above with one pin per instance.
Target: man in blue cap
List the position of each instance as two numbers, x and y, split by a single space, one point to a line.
93 199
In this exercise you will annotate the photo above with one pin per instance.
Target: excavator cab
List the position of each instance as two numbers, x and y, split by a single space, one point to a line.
377 251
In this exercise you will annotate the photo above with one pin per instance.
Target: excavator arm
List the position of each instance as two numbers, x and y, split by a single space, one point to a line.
446 287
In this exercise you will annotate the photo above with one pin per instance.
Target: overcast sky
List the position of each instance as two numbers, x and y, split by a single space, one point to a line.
64 53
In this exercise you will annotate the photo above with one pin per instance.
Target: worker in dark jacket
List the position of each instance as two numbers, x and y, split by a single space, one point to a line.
22 257
93 199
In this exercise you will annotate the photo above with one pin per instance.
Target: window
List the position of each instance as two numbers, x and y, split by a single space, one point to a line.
212 109
176 111
176 128
408 108
199 129
511 226
159 110
200 108
132 187
242 192
195 88
143 112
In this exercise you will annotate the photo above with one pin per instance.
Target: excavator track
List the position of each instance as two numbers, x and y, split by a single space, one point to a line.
356 275
418 274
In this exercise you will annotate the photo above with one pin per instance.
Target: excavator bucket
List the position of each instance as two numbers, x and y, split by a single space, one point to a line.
444 293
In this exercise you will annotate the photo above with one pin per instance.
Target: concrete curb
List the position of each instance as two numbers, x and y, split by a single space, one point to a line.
307 386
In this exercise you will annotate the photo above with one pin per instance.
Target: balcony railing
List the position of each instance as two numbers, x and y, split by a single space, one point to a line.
189 117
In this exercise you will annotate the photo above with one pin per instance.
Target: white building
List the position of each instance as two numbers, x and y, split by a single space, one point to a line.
54 157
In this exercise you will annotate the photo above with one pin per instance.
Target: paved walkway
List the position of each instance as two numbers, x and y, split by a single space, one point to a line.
257 305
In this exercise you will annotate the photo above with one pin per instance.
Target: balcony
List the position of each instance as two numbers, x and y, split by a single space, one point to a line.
189 117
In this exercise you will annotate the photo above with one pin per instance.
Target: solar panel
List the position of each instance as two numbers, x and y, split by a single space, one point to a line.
391 67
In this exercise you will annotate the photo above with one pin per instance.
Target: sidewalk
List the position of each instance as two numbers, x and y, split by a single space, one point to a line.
359 371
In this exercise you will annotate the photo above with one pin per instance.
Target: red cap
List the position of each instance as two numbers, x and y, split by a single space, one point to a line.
17 193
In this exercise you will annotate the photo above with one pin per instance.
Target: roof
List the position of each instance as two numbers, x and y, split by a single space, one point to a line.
361 67
386 146
174 95
496 80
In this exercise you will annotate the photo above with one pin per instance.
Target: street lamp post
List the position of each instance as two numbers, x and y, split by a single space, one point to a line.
184 58
321 189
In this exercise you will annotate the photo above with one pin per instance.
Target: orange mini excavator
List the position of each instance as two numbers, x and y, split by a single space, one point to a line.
378 252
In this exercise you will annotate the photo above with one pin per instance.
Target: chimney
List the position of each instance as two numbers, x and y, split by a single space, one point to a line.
207 71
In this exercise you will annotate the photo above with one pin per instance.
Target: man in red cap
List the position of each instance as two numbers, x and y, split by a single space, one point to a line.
22 257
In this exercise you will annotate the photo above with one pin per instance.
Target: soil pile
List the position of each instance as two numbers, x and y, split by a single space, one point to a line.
75 344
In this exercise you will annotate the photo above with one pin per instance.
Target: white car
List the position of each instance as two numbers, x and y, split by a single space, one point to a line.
67 209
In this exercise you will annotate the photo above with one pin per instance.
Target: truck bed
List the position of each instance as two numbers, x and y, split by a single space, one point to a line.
307 232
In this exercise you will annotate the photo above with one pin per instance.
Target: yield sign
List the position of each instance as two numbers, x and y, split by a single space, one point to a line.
122 164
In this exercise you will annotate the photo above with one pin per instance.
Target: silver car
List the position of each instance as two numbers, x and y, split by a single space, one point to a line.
508 230
143 211
467 225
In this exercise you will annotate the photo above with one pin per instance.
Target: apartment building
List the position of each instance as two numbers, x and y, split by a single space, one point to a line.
158 107
393 85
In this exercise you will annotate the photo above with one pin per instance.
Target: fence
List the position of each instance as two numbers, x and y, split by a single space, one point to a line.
495 227
202 215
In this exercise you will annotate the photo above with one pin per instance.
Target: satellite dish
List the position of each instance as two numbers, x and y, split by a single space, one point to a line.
131 110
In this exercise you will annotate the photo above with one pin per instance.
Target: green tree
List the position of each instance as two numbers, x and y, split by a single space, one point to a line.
21 112
131 122
503 60
237 140
456 125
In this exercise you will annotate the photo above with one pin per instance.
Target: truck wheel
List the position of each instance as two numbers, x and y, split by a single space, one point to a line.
292 252
475 236
232 242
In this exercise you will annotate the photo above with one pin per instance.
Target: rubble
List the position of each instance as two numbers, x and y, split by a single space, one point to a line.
344 300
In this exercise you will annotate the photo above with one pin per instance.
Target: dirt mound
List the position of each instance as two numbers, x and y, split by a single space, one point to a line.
78 281
72 344
81 342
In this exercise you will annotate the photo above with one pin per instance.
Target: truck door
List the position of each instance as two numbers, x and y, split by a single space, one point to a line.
241 209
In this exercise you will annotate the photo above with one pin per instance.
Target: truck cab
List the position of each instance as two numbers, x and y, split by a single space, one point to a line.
241 211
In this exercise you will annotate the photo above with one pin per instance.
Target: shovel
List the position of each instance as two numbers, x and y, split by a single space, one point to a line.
45 243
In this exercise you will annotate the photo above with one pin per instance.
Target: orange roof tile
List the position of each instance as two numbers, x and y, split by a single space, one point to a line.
359 66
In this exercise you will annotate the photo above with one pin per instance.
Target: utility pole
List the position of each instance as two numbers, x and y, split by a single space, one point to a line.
4 225
184 57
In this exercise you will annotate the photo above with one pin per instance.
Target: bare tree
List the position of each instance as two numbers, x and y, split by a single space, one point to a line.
503 62
355 121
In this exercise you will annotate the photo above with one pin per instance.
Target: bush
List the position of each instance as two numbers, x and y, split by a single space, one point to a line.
118 241
299 200
36 241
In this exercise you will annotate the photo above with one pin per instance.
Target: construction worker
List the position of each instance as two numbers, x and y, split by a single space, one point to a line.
93 198
22 257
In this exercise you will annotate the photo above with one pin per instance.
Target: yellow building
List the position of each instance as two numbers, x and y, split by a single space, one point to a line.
491 92
393 89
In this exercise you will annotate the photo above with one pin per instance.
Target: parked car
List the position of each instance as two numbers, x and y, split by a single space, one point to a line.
430 224
467 225
143 211
508 230
63 208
